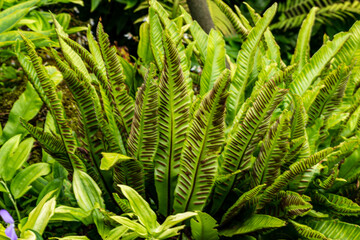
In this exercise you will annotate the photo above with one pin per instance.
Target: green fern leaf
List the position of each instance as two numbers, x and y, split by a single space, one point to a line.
240 204
275 145
199 159
244 64
335 229
242 142
317 63
173 122
56 107
338 205
143 138
307 232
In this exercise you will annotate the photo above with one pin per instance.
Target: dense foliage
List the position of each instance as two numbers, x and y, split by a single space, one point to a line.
188 142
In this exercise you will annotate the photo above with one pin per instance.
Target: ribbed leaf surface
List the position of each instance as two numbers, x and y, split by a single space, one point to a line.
201 149
242 142
307 232
275 145
143 137
244 64
317 63
56 107
173 122
124 103
330 96
335 229
337 204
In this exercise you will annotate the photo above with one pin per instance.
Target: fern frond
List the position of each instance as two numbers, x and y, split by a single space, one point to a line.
244 64
173 122
338 205
199 158
143 138
330 96
293 204
275 145
239 204
307 232
295 169
317 63
55 106
234 19
242 143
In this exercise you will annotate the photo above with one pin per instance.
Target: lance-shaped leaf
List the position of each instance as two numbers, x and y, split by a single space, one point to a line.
116 79
156 45
275 145
335 229
143 137
199 35
239 204
350 48
255 223
55 106
293 204
214 62
111 109
244 139
307 232
201 149
288 175
176 35
234 19
339 205
302 49
244 64
330 96
173 122
317 63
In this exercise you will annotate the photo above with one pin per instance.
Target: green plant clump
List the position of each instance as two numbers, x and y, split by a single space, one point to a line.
252 149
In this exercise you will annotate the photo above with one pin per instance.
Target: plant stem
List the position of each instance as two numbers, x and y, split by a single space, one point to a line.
12 200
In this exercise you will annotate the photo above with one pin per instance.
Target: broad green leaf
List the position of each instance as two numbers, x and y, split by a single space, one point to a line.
203 227
133 225
22 181
65 213
40 215
173 220
7 150
16 161
87 192
254 223
27 106
141 208
144 51
111 159
94 4
10 20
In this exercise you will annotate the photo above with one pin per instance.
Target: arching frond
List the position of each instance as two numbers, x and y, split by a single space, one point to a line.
330 96
239 204
317 63
338 205
307 232
55 106
293 204
242 142
335 229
